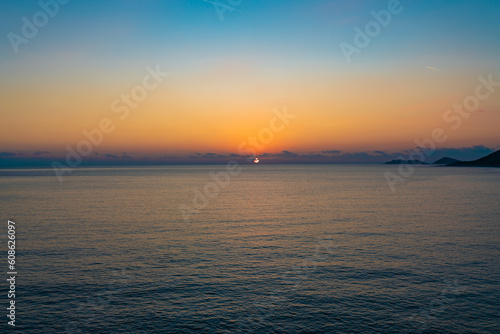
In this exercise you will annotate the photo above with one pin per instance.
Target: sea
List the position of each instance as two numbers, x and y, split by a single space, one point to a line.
253 249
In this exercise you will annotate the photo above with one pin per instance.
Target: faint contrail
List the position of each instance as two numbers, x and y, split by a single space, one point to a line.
432 68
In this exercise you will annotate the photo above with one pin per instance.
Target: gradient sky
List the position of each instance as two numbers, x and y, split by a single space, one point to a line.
227 75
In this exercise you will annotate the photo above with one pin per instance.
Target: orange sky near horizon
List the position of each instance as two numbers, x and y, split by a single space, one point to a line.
213 113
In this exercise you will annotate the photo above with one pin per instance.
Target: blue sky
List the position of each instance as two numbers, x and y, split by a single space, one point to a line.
311 29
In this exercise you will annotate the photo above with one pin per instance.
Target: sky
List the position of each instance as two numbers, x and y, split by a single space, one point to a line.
289 81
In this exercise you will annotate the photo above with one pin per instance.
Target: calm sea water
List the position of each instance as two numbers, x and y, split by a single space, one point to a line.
281 249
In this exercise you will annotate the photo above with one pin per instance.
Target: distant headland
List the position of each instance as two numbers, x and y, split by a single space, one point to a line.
491 160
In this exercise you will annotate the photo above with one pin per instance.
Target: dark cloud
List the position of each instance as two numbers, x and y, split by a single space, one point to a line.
282 154
332 156
41 152
360 157
289 154
319 157
313 155
213 155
